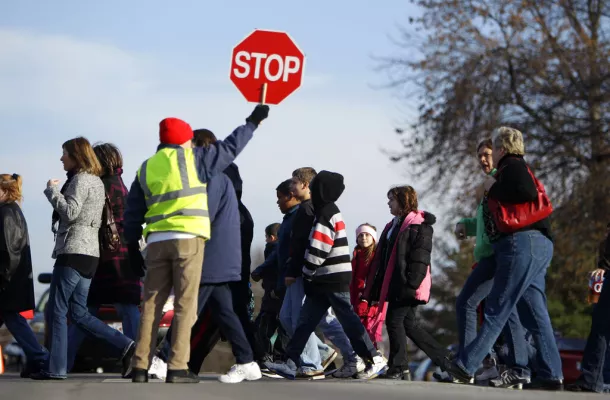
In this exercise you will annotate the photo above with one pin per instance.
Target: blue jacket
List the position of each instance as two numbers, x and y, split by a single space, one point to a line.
222 255
283 247
268 269
208 161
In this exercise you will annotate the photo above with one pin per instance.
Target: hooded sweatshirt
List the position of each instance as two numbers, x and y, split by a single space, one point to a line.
327 260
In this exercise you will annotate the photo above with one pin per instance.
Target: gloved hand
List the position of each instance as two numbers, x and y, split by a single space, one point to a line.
259 114
362 308
136 260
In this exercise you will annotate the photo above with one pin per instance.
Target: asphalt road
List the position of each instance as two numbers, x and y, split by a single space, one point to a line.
108 387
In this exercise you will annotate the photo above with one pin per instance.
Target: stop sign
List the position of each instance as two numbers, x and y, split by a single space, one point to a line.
267 57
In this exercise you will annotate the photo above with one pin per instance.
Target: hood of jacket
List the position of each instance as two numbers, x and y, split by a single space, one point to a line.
326 188
429 218
232 171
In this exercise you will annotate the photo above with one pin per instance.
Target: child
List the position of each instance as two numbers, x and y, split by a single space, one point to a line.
326 274
372 317
399 278
267 320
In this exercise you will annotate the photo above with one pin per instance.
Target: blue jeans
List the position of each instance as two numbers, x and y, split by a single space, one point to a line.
477 287
68 292
598 345
130 317
21 331
522 260
310 358
332 329
313 310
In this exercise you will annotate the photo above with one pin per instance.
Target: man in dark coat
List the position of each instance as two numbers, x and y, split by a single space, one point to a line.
16 284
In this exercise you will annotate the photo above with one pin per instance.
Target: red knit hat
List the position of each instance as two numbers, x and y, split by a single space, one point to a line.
174 131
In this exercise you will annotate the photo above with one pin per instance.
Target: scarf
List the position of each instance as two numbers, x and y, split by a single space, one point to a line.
55 216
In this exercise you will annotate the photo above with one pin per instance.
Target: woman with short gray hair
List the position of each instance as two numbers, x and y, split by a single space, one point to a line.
516 213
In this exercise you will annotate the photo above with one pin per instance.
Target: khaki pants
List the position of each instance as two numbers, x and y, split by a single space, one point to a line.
171 263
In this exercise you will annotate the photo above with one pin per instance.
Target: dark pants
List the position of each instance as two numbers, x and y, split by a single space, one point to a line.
68 293
241 300
220 300
204 337
402 322
266 324
21 331
597 344
314 308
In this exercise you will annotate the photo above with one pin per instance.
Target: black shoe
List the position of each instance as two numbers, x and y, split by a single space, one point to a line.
139 375
544 384
30 369
41 376
458 374
578 386
510 379
397 374
126 360
181 376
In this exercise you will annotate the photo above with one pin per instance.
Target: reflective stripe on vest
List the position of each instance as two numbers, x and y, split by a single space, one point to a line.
183 207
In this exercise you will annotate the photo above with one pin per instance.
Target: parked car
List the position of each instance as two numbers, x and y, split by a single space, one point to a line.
94 353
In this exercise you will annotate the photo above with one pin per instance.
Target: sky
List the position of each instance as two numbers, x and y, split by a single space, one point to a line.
111 70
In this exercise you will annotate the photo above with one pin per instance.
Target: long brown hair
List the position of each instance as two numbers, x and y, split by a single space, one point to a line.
406 197
109 157
11 185
369 251
80 150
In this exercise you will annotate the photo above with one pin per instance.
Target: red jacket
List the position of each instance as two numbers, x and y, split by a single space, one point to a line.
360 271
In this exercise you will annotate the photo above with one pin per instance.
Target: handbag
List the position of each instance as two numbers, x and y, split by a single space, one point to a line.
110 240
510 218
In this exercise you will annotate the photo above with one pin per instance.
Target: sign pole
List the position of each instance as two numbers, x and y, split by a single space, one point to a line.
263 93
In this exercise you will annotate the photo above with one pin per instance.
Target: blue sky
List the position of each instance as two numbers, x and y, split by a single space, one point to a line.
112 70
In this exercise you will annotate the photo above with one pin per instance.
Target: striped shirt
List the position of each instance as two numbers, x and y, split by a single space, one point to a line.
328 260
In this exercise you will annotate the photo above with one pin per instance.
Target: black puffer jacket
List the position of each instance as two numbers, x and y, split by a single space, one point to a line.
413 256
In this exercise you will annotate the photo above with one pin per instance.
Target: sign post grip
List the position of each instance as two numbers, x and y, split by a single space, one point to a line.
263 93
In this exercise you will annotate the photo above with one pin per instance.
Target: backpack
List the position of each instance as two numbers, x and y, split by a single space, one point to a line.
110 240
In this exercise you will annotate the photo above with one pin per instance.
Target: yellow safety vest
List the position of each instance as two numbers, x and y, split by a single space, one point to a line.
177 200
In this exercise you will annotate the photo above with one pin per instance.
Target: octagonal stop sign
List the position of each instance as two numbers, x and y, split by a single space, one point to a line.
267 66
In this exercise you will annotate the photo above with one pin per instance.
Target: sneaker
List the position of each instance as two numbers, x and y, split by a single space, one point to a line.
579 386
486 374
240 372
329 360
286 369
378 367
545 384
158 369
126 360
510 379
310 374
351 368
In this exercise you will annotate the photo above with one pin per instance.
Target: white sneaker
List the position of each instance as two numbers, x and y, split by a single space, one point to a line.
158 369
485 374
351 368
328 360
378 367
239 372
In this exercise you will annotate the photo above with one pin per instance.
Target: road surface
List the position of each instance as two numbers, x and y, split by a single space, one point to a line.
108 387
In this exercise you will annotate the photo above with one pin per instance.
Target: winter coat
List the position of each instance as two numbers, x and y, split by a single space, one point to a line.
80 212
222 258
283 248
400 272
299 238
327 265
514 185
360 271
268 270
114 280
16 283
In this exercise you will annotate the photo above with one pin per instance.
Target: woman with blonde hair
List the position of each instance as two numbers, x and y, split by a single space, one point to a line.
16 284
78 215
